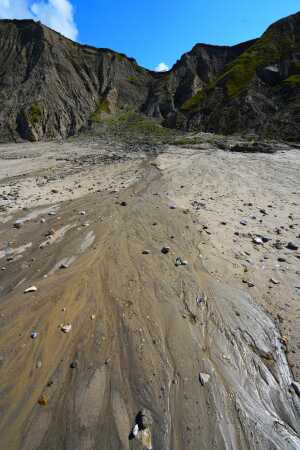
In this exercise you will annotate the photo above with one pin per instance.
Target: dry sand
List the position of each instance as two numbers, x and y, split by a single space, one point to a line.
143 330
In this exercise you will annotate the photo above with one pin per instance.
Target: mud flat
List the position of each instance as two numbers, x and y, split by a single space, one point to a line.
203 335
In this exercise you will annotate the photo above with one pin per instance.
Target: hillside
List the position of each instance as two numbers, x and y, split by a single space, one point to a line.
51 87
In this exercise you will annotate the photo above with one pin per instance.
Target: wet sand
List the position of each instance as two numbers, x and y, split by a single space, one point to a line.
145 331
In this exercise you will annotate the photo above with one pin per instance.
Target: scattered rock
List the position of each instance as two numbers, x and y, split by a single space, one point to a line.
173 206
43 400
93 316
18 224
258 240
292 246
123 203
64 266
165 250
74 364
180 262
279 245
204 378
274 281
66 328
82 213
34 335
144 419
39 365
281 259
146 252
243 222
201 299
30 289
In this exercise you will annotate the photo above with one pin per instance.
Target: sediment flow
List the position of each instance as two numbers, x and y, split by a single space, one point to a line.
141 302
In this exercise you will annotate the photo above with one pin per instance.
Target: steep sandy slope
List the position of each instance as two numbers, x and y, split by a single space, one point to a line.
198 353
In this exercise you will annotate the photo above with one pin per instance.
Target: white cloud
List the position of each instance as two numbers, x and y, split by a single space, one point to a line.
162 67
57 14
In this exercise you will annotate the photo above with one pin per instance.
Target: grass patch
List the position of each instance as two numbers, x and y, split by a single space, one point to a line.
130 126
102 107
35 114
274 45
293 80
192 103
133 80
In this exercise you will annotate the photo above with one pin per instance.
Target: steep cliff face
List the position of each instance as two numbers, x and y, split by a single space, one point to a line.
52 87
259 92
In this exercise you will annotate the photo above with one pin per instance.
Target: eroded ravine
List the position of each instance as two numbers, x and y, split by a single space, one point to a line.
143 332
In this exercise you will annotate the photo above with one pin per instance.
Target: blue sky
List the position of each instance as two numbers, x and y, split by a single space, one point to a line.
153 31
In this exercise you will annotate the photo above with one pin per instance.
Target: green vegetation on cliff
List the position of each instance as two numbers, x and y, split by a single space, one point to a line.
273 46
131 126
102 107
35 114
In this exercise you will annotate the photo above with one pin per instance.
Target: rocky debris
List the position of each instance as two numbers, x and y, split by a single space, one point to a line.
280 259
180 262
172 206
43 400
142 429
201 300
253 147
123 203
250 284
34 335
30 289
279 245
39 364
258 240
18 224
292 246
74 364
165 250
274 281
146 252
204 378
66 328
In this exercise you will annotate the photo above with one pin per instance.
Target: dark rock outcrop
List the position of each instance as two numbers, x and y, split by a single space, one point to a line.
51 87
259 92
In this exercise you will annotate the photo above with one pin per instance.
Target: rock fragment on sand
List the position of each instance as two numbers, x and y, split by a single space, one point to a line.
258 240
18 224
30 289
180 262
74 364
274 281
146 252
292 246
165 250
66 328
204 378
39 365
43 400
34 335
